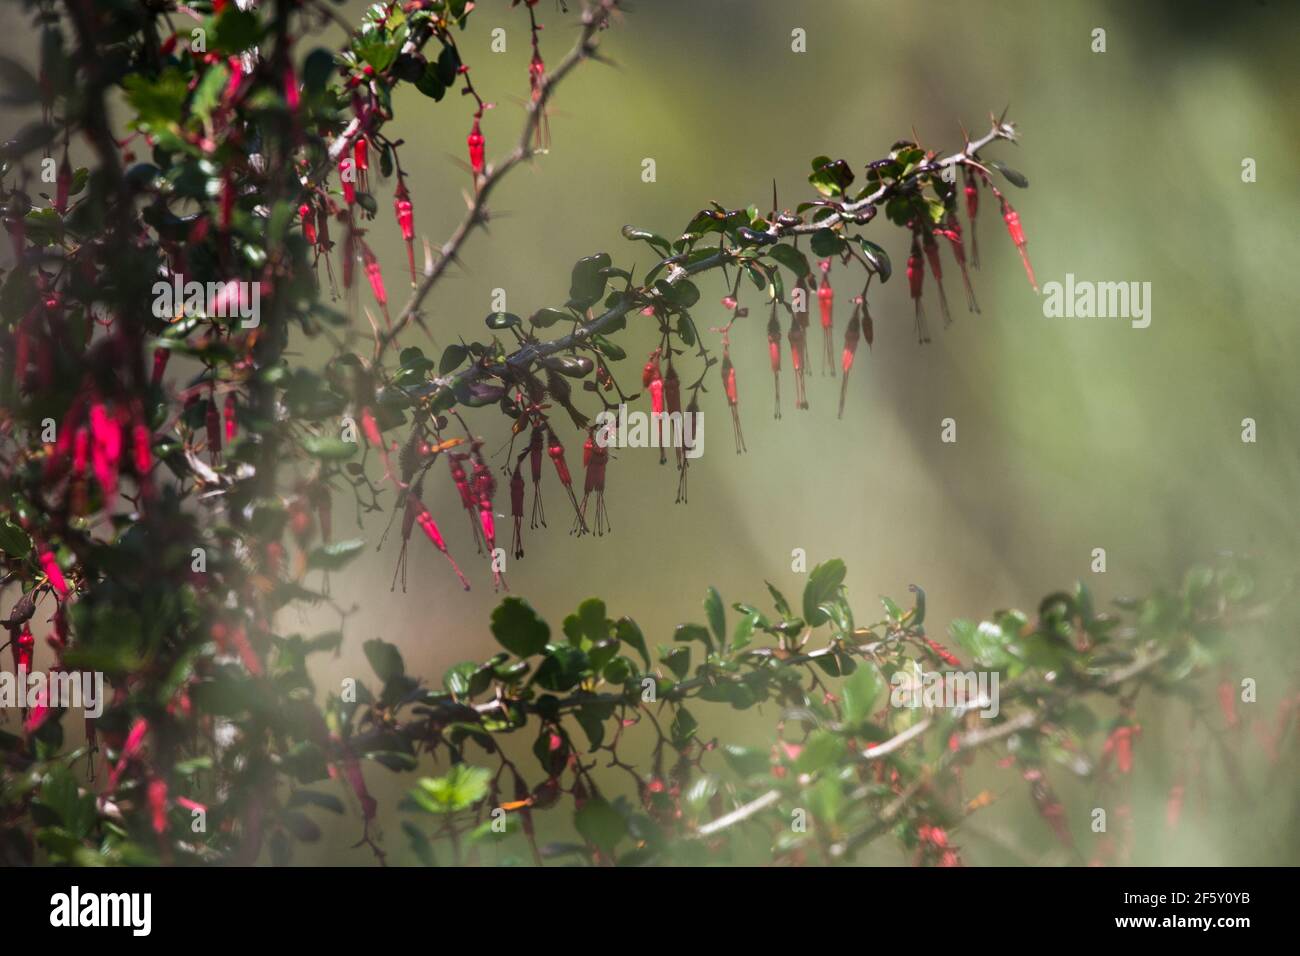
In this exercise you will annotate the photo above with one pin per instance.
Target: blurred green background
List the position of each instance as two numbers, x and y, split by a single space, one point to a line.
1073 434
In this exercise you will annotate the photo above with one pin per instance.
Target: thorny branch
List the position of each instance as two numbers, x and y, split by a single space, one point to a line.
638 297
594 20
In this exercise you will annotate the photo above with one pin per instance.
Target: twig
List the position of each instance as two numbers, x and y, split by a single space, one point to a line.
522 358
593 20
740 813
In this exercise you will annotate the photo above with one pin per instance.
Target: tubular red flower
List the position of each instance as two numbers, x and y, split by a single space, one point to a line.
160 359
477 148
936 268
371 428
23 645
292 97
851 336
774 358
157 798
1227 692
972 208
308 223
406 223
230 413
915 281
430 529
376 279
1017 234
53 574
239 638
142 447
826 304
105 449
347 177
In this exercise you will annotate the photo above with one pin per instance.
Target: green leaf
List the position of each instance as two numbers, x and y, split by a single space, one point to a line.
328 448
335 555
826 799
14 541
683 727
545 318
600 824
629 633
236 30
791 258
385 659
830 177
457 678
747 761
744 634
601 653
317 70
1014 177
458 789
592 620
656 242
208 92
158 101
779 601
677 660
716 614
587 283
820 751
686 330
420 844
562 667
618 671
685 633
823 586
430 83
861 691
60 795
518 628
918 610
592 718
988 642
877 257
827 243
682 294
449 62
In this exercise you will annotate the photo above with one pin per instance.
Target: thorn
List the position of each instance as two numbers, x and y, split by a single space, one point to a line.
419 320
371 319
428 257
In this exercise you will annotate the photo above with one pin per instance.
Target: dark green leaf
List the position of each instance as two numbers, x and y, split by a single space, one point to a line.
823 586
518 628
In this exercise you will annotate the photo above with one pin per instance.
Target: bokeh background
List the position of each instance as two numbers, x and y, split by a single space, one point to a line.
1073 434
